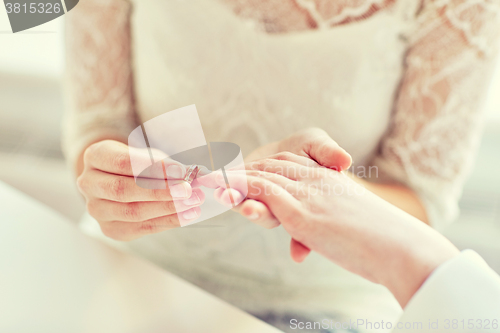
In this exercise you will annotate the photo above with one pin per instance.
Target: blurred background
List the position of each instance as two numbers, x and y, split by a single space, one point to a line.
31 109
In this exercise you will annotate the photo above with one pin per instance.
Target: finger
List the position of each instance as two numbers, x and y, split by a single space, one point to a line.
319 146
223 197
299 159
117 158
105 210
218 193
230 197
127 231
207 180
106 186
237 179
285 168
258 213
298 251
281 203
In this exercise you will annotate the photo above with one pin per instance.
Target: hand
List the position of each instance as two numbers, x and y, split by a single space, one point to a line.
333 215
126 211
313 143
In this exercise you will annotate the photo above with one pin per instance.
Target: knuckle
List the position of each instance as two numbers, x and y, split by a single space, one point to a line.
160 194
82 183
284 155
262 165
169 222
132 212
121 162
153 226
92 208
147 227
257 165
168 206
117 188
89 153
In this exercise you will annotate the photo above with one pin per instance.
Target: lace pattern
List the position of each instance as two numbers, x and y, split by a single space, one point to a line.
437 116
275 16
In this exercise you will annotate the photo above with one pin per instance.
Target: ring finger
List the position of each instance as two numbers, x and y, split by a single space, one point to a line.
141 211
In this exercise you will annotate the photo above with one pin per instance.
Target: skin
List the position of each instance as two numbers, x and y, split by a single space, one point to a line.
330 213
126 216
124 210
317 145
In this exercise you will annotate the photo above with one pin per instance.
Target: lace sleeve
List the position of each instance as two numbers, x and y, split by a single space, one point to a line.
436 123
98 78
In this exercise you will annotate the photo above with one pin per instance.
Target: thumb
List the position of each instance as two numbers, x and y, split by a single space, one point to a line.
324 150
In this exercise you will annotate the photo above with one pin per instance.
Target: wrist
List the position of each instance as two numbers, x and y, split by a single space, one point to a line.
416 262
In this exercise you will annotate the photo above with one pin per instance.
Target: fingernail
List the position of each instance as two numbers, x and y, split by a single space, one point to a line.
174 172
193 200
190 214
203 171
179 191
237 196
253 216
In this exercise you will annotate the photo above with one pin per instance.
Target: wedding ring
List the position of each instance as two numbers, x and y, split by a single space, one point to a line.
191 173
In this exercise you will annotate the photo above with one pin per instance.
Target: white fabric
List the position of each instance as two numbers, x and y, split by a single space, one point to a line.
464 292
398 84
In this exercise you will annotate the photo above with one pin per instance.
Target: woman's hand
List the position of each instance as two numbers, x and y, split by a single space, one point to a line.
313 143
126 211
331 214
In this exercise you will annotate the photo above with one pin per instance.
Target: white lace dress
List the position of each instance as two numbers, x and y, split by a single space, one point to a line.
397 83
